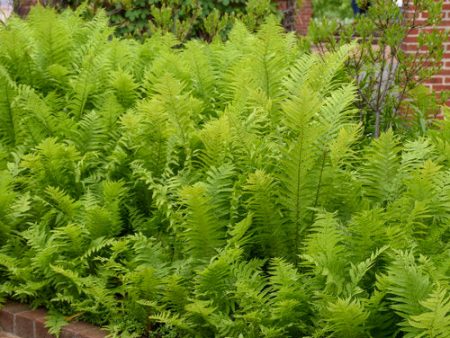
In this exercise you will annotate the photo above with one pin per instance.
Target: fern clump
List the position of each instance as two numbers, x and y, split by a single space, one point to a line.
211 190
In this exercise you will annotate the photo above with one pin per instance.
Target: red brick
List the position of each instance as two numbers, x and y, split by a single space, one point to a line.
437 79
410 39
282 5
444 72
440 88
304 17
36 318
24 324
4 334
92 333
82 330
14 308
71 330
7 315
40 330
6 321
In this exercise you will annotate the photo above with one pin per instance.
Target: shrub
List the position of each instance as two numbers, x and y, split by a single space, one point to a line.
186 19
386 75
216 189
332 8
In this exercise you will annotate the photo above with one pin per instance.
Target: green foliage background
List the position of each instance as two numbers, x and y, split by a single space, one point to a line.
211 190
389 77
332 8
184 18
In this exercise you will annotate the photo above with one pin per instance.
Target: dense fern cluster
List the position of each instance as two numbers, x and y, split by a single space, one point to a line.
211 190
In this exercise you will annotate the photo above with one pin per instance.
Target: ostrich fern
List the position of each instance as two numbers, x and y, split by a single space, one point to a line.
205 190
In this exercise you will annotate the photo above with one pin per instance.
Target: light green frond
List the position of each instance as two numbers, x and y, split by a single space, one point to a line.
217 279
216 138
201 73
220 183
172 320
347 318
324 253
204 233
434 322
379 172
124 87
59 200
182 109
40 121
270 235
9 121
52 39
289 302
406 285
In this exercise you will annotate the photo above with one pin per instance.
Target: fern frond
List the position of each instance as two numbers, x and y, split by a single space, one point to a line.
52 39
251 290
124 88
147 132
269 60
324 253
58 199
9 120
220 183
102 222
336 111
434 322
216 138
173 320
296 194
320 73
270 234
7 198
341 151
217 279
72 239
181 109
368 232
88 83
54 322
40 121
288 305
90 135
347 318
407 285
15 53
201 73
239 234
379 173
203 231
53 164
415 153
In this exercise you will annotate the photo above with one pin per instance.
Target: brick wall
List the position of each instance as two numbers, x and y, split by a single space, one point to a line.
304 17
24 322
441 81
24 6
297 19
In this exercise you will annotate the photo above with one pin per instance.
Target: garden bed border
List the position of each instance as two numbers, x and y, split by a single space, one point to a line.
24 322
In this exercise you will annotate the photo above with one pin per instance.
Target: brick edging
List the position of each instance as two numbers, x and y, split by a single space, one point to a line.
21 320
